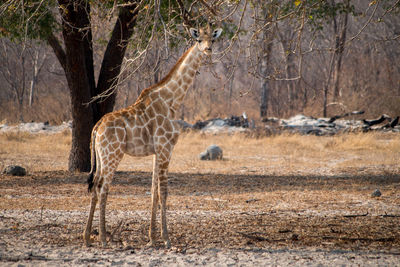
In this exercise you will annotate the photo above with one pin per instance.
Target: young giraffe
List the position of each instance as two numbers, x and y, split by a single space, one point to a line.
145 128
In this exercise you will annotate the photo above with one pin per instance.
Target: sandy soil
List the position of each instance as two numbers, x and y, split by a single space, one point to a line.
213 219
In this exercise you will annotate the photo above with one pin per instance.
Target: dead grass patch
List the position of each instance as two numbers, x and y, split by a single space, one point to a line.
289 153
280 191
212 210
35 152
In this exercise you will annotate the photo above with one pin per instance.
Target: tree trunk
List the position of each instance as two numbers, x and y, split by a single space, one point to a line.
230 94
80 78
339 49
77 62
286 36
35 75
326 87
266 48
23 84
264 98
290 70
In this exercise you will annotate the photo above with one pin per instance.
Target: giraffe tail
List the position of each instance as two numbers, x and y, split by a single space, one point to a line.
91 179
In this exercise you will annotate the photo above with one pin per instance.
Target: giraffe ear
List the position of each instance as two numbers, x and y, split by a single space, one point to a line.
216 33
194 33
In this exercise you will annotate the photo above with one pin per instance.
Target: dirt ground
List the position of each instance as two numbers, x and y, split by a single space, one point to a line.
214 218
206 211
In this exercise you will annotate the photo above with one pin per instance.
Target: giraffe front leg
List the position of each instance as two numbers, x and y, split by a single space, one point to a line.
163 193
154 205
88 229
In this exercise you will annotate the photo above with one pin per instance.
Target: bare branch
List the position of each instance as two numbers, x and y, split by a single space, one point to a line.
58 50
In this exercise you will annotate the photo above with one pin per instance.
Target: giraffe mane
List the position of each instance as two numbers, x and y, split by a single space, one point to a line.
146 92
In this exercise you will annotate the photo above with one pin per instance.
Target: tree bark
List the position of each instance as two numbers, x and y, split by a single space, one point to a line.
77 62
326 86
23 86
266 48
36 69
80 78
339 49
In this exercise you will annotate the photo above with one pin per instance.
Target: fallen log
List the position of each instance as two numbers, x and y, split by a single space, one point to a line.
355 215
391 123
332 119
381 119
365 239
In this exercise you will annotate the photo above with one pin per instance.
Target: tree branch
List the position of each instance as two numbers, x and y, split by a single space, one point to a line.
187 22
58 50
114 54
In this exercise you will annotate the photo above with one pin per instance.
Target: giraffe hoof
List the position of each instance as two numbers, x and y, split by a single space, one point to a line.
167 244
87 241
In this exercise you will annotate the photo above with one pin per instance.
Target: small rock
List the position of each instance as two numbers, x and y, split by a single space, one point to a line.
252 200
15 170
213 152
190 251
376 193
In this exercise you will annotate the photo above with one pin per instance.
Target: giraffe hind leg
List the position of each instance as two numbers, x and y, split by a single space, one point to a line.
88 229
102 188
102 226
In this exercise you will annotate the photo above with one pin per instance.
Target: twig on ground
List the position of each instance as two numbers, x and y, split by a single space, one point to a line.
253 237
353 239
389 216
257 214
355 215
116 230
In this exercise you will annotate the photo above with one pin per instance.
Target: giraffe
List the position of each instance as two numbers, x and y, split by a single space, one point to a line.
147 127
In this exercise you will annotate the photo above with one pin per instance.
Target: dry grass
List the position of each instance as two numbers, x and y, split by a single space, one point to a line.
279 191
36 152
293 154
288 153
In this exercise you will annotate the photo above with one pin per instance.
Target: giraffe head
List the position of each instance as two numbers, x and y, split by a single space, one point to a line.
205 38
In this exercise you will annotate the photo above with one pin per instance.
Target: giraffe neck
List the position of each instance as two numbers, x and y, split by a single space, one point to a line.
172 89
182 79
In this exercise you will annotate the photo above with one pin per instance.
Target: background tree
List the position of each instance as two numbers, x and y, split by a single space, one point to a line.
20 68
13 69
279 57
23 20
